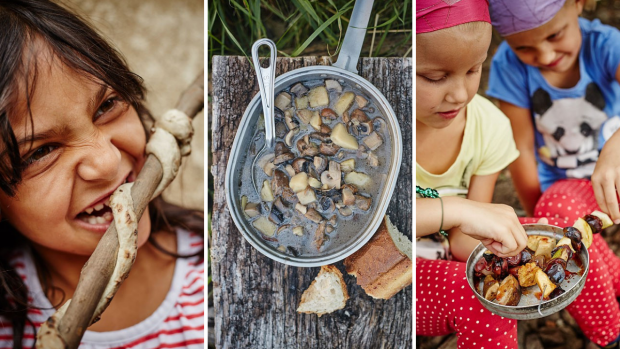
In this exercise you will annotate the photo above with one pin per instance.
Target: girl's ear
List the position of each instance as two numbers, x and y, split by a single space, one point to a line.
580 4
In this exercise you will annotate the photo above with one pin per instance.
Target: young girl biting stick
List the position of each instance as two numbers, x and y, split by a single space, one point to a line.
71 133
462 141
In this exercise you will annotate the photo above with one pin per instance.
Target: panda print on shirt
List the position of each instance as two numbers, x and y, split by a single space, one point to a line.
570 128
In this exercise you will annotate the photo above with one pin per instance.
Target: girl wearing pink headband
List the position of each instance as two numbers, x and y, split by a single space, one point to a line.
556 77
462 142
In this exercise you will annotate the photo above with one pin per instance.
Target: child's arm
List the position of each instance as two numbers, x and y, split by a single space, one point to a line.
495 225
481 190
606 177
523 169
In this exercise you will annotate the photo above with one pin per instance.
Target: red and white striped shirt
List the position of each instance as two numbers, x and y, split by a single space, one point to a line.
177 323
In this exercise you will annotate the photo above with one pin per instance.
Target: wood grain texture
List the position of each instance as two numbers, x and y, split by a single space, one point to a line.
255 298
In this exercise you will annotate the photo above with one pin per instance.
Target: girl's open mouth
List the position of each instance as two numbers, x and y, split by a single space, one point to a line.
98 214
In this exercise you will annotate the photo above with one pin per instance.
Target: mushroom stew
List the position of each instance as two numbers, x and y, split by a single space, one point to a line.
330 161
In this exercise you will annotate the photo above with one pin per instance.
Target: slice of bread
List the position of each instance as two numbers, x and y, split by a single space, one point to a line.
327 293
383 266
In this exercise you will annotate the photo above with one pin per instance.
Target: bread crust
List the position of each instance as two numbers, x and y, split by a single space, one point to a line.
379 266
309 292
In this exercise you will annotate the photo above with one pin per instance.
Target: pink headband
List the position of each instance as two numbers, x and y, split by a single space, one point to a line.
434 15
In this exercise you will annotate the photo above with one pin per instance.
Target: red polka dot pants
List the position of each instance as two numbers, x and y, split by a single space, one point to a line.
596 309
445 304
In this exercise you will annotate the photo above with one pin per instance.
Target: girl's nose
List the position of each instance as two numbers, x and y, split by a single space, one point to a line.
101 160
457 93
546 55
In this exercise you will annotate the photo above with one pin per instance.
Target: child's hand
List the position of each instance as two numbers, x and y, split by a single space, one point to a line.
606 178
495 225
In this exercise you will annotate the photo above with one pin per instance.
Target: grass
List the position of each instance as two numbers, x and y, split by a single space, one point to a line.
305 27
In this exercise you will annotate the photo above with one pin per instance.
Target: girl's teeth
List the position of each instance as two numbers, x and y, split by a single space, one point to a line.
92 220
108 216
89 210
101 220
99 207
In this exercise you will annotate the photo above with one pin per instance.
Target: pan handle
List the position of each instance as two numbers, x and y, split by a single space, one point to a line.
354 37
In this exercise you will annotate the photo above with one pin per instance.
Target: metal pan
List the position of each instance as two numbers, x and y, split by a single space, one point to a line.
528 307
345 71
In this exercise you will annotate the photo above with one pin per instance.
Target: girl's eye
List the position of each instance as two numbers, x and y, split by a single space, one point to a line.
105 107
432 80
39 154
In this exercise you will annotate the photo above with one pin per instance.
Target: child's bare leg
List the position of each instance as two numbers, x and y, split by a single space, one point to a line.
445 304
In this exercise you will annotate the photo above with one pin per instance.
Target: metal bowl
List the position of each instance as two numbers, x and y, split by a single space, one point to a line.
342 245
528 307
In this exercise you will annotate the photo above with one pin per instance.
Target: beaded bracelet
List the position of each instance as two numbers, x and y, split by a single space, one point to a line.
433 194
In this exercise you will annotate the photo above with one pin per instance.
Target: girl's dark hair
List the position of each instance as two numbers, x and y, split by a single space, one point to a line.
79 47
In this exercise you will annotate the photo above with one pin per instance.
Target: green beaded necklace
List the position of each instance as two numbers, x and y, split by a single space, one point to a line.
433 194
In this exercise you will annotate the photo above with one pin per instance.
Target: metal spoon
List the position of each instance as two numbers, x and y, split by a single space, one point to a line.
266 78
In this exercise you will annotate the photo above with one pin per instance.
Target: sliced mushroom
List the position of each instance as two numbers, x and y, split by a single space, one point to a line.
362 202
333 85
301 103
361 101
281 129
345 117
318 97
252 209
283 101
344 102
291 122
328 148
299 89
266 163
364 128
288 195
331 179
326 205
301 165
307 148
289 170
306 196
319 235
276 215
358 116
282 154
373 141
320 164
329 114
325 129
313 215
345 211
329 229
373 160
288 139
319 136
279 182
348 198
352 187
282 206
361 152
379 124
333 220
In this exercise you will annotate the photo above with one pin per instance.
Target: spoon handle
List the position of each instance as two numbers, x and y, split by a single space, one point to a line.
266 78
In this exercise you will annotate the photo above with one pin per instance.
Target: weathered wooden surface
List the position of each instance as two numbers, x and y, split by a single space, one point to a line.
254 297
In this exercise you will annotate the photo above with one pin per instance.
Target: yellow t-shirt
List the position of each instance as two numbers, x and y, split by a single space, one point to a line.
487 148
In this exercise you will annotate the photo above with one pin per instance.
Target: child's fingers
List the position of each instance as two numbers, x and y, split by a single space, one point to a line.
611 201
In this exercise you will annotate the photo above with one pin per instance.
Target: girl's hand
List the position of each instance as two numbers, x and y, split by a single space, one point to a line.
606 178
495 225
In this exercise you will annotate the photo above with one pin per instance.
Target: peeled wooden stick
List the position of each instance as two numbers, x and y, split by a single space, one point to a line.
97 271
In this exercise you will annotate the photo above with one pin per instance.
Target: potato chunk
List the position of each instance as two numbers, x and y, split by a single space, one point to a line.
544 283
509 292
342 138
527 274
344 103
318 97
545 246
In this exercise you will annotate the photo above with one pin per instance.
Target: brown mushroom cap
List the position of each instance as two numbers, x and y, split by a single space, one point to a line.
279 182
328 148
329 114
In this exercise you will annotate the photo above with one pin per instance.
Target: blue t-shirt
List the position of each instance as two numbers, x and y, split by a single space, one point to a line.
571 124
